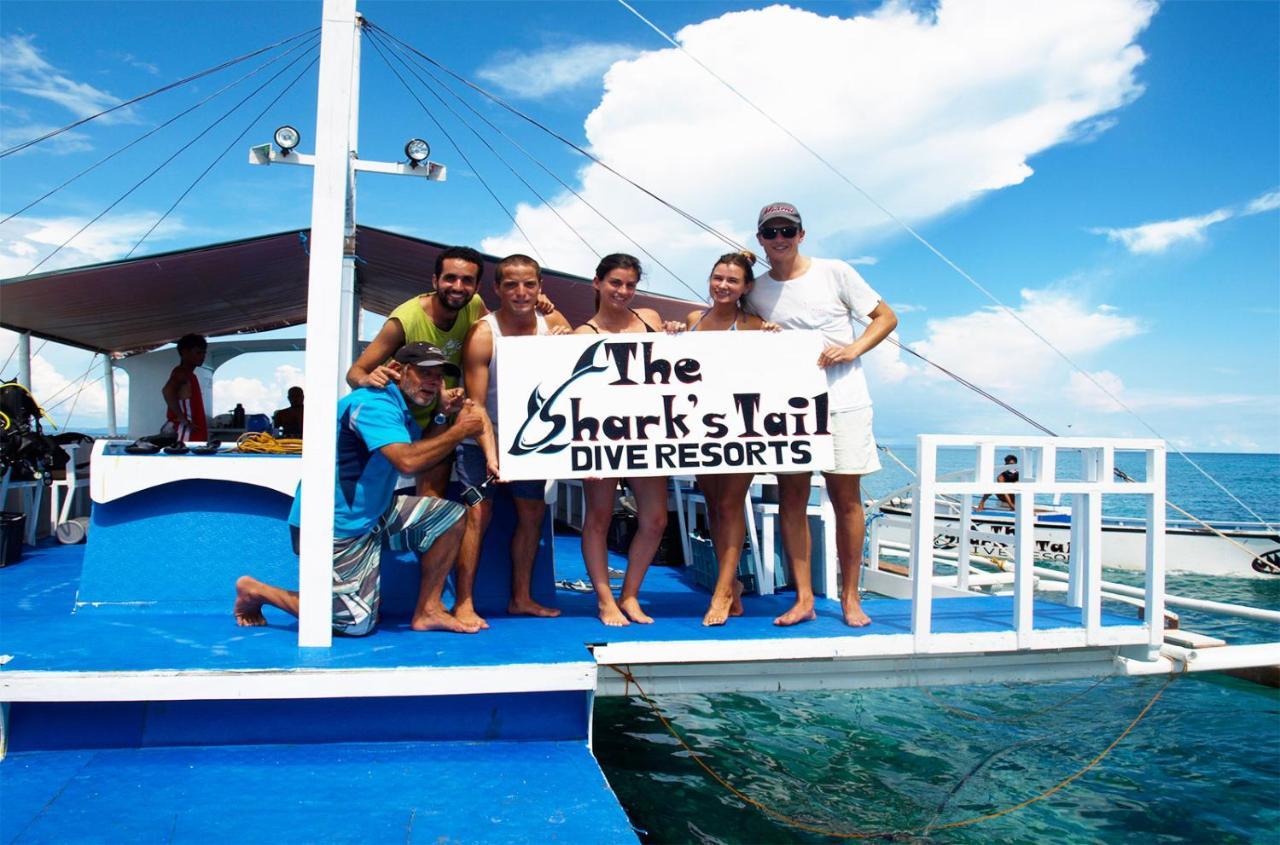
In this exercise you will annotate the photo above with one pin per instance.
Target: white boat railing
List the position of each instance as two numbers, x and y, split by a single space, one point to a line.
1084 571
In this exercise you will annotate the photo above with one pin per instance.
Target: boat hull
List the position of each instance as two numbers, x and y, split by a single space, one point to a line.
1123 546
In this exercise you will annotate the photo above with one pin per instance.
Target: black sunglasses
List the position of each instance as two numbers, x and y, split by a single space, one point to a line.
771 232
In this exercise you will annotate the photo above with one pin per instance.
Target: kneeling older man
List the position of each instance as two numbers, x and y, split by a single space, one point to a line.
378 439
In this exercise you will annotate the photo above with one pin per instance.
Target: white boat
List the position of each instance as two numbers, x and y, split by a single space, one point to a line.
1234 549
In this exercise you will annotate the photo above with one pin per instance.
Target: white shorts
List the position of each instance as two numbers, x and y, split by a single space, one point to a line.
853 442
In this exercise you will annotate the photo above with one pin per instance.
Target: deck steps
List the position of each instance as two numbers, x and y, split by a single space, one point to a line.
321 792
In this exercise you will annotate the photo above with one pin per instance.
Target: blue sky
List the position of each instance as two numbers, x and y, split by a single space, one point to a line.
1108 170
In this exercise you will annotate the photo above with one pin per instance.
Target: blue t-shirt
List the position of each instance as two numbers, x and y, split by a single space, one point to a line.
364 480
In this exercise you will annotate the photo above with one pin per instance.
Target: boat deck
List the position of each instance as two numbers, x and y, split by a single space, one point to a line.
47 645
390 792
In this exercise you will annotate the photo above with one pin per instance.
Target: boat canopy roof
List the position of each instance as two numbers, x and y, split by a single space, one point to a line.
248 285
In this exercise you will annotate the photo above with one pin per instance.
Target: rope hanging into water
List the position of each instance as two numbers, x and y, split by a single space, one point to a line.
193 77
942 257
799 824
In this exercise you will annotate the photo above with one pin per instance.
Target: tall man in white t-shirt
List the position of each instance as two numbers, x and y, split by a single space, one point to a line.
827 295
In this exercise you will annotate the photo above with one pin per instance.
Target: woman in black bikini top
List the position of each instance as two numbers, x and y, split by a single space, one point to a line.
732 277
615 283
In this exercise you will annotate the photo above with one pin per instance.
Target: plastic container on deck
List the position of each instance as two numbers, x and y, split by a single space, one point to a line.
73 530
13 525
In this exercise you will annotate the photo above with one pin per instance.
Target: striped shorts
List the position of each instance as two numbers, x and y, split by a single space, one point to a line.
410 523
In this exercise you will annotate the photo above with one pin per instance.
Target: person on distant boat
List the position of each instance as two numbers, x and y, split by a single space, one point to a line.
288 421
615 282
732 278
378 439
185 418
518 282
827 295
1009 476
441 318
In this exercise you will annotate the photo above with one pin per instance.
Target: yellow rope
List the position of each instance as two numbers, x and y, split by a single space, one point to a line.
880 834
262 443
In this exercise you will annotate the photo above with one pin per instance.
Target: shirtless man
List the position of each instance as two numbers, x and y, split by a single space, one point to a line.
518 281
378 439
828 295
185 417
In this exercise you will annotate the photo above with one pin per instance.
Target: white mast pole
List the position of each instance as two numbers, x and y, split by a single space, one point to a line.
324 364
350 308
24 359
109 381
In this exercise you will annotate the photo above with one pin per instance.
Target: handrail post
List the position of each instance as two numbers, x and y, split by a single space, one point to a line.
1024 559
1155 547
922 542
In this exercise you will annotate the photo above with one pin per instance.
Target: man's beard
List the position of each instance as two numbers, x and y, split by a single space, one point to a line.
455 301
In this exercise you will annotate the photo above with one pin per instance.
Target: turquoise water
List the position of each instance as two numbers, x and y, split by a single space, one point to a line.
1202 766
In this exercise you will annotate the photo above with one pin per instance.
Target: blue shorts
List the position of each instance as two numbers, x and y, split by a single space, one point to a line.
469 464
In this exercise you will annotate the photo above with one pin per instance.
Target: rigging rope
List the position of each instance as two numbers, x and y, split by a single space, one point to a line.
225 150
20 147
430 88
457 149
799 824
563 184
494 98
164 163
154 130
941 256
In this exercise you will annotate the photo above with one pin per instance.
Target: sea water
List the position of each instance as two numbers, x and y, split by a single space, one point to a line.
1202 766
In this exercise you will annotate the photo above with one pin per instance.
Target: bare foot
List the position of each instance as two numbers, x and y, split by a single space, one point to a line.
441 620
612 616
719 610
529 607
466 614
631 607
735 608
248 607
801 611
854 617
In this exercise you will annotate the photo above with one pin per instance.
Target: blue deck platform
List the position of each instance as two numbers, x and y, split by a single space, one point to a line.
41 633
397 736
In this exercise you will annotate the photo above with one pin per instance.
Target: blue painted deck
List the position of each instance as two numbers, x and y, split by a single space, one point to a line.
334 793
42 633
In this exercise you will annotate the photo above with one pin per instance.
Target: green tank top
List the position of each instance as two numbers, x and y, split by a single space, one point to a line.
420 328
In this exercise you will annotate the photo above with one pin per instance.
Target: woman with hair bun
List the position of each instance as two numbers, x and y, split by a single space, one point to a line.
732 278
615 282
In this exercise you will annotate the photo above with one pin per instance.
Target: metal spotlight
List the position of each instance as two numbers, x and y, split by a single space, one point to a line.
287 138
417 150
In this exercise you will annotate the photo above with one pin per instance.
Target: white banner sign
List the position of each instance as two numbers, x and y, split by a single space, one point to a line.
654 404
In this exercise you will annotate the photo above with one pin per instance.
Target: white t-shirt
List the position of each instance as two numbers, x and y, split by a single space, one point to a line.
825 298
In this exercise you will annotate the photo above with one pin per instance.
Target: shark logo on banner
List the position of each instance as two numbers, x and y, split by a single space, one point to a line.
661 405
541 409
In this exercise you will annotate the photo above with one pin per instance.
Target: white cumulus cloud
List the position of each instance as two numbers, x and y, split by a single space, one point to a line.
990 347
925 113
26 240
23 70
553 69
257 396
1157 237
